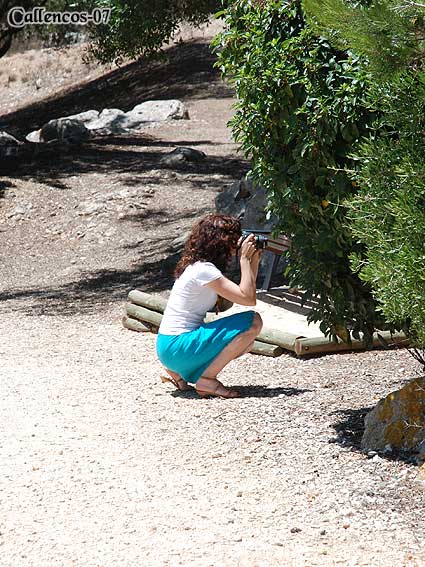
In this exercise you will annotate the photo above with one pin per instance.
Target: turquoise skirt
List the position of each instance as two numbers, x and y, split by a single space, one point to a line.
189 354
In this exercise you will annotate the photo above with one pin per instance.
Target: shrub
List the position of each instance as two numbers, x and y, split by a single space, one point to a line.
302 104
387 213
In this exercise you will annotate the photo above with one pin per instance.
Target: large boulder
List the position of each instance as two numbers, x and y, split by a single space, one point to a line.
160 110
109 121
64 130
9 146
85 117
398 421
247 202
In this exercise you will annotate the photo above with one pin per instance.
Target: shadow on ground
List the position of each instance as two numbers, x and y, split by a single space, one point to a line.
93 291
257 391
187 71
285 297
106 156
350 430
4 186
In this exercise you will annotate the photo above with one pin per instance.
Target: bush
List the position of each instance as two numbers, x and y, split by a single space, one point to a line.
302 104
387 213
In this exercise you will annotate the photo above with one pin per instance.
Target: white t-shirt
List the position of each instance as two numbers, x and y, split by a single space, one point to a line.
190 299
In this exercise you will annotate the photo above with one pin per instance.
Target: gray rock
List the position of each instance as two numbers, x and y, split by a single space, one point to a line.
246 201
8 140
85 117
182 155
160 110
65 130
9 146
34 137
178 243
109 121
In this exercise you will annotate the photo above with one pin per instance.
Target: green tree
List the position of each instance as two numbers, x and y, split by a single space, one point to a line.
140 28
301 106
387 213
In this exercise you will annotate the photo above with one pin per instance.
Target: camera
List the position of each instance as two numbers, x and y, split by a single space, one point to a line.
261 238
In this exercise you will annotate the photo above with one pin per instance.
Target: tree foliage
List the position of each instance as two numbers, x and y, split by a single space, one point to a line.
138 28
387 214
301 106
135 28
387 34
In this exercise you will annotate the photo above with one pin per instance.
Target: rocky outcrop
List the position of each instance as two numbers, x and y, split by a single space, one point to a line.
113 121
246 201
398 421
65 130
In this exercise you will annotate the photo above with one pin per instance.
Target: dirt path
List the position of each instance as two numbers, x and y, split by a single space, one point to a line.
101 464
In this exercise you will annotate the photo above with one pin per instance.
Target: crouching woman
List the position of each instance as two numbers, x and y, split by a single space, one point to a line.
194 352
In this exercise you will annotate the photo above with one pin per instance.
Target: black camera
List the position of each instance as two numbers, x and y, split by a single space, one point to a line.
261 237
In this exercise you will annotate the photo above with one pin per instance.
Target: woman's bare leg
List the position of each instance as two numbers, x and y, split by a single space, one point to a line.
237 347
181 383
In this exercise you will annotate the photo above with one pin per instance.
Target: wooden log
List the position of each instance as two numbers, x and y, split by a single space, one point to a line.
135 324
270 336
142 314
278 337
320 345
152 302
266 349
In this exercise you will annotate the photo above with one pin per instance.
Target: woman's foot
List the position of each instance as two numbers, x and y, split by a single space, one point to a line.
176 380
212 387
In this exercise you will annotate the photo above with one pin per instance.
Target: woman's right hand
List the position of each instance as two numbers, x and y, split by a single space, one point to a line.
248 248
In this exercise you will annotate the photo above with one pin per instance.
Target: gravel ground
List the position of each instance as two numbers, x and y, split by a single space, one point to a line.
103 465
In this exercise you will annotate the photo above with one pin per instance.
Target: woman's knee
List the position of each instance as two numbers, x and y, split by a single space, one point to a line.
257 323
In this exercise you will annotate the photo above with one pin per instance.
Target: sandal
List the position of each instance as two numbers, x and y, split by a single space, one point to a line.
219 390
179 384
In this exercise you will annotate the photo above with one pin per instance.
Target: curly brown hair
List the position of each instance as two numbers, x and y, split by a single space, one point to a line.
211 240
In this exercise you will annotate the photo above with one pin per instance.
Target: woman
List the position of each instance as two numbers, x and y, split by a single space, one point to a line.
191 350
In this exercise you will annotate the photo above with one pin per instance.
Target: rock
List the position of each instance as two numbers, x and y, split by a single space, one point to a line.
246 201
398 421
85 117
34 137
8 140
64 130
182 155
160 110
9 146
109 121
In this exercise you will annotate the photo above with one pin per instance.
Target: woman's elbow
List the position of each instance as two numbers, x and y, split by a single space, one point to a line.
249 301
